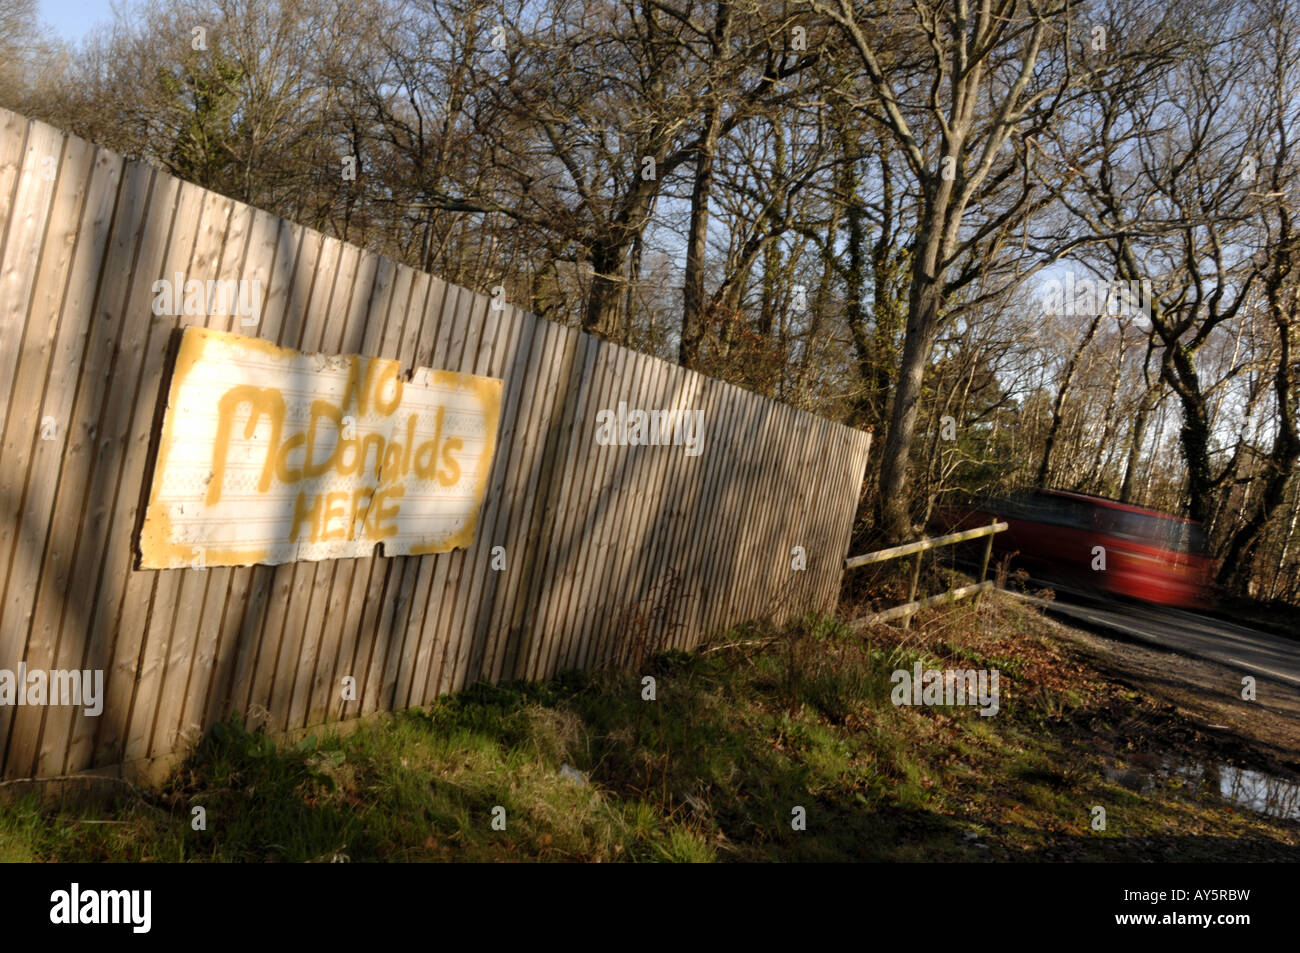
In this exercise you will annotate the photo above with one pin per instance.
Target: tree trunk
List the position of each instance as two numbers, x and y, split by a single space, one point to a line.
855 293
1235 568
1286 546
1044 466
935 240
1195 432
633 279
693 301
1126 490
697 247
601 315
922 328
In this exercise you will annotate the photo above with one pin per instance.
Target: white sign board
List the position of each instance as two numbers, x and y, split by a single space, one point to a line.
268 455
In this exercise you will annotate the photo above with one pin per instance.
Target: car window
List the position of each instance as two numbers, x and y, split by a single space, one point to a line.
1152 530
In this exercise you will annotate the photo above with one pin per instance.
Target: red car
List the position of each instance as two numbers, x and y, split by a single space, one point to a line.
1097 543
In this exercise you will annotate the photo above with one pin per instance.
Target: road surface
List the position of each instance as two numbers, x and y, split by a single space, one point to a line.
1262 654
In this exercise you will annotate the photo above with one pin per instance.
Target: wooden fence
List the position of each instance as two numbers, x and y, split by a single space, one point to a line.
921 546
605 546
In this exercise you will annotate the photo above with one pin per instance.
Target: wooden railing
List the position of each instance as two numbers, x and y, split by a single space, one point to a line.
913 605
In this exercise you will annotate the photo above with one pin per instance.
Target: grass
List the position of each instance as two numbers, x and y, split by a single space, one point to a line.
739 736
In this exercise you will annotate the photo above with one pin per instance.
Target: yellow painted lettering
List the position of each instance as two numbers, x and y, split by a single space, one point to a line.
282 470
452 475
320 409
332 512
377 441
389 373
410 444
424 467
364 493
263 402
378 512
302 513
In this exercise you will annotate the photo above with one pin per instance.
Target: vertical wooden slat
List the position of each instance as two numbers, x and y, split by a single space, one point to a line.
645 502
577 593
496 510
687 633
23 437
672 495
345 338
558 542
805 582
31 453
404 571
261 262
67 576
603 497
292 281
844 511
311 319
364 334
175 587
754 560
609 512
840 532
385 572
24 239
455 598
202 606
14 130
24 235
747 513
107 738
421 634
635 390
801 479
768 511
428 574
633 511
267 584
558 427
539 446
329 314
541 341
104 549
363 607
738 492
721 457
829 561
678 492
694 475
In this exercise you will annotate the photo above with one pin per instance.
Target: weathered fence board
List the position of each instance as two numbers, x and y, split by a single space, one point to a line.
609 550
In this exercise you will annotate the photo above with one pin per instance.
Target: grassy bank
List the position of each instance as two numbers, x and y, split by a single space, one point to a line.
739 735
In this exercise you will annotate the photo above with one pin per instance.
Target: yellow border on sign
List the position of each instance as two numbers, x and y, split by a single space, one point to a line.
157 548
488 392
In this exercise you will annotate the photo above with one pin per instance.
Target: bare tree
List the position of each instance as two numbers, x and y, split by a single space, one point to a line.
992 76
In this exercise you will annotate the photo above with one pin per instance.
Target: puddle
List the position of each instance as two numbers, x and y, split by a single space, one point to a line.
1243 787
1260 792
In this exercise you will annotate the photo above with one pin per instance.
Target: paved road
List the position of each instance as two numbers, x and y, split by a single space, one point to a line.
1262 654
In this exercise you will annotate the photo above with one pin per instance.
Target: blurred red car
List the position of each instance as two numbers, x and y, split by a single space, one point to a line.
1054 535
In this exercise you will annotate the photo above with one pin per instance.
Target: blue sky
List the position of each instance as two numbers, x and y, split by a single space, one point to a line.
72 19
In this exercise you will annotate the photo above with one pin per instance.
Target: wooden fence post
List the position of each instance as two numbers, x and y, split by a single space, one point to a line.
920 546
911 589
984 565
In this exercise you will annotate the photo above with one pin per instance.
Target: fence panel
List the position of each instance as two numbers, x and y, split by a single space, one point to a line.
586 552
